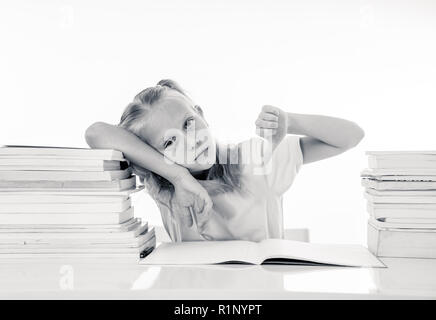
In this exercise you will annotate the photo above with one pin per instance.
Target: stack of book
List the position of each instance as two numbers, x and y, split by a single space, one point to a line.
400 189
69 202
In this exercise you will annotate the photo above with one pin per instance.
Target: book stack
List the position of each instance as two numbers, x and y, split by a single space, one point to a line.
400 189
69 202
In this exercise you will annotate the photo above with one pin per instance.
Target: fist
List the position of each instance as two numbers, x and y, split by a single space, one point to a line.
272 124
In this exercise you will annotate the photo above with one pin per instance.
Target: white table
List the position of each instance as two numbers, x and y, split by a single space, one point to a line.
404 278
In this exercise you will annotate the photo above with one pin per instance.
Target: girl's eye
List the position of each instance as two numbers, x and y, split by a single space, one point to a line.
169 142
189 122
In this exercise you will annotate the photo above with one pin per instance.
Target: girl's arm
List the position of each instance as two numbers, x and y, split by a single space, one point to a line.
325 136
188 192
106 136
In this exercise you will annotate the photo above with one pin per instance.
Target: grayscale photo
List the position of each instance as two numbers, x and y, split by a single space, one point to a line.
217 159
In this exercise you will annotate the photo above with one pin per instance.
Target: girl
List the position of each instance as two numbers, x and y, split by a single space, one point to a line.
207 190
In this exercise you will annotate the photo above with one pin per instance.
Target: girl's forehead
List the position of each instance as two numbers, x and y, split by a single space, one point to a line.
168 113
171 105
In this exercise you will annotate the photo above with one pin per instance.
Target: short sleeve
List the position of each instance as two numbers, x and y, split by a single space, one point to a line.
283 165
286 162
251 155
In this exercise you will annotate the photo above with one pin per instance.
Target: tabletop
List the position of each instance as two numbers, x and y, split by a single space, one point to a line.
32 279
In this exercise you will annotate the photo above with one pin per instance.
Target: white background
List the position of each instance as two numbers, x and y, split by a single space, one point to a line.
67 64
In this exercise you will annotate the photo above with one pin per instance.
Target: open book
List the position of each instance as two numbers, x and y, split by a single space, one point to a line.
269 251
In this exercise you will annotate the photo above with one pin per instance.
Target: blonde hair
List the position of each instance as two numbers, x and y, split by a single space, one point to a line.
221 177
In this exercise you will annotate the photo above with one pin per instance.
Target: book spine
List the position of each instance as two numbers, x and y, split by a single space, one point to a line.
402 244
380 213
56 162
372 239
28 198
37 176
372 162
65 218
59 208
98 154
112 185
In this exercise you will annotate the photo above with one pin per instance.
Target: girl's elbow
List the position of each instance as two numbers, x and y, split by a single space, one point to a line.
356 137
93 132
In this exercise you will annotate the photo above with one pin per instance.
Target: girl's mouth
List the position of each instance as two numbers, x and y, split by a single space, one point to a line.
201 152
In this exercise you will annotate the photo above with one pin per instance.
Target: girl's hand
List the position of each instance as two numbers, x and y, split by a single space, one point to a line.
272 123
190 193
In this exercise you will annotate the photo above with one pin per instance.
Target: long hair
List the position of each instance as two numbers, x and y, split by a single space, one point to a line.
221 177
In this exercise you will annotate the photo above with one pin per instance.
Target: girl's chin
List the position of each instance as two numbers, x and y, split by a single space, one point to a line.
200 167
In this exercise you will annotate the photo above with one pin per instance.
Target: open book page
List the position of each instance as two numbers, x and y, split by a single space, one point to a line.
204 252
332 254
211 252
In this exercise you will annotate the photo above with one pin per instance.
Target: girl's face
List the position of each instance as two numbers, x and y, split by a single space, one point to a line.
177 129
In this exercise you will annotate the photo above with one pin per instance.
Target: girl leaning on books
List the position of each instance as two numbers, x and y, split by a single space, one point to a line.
207 190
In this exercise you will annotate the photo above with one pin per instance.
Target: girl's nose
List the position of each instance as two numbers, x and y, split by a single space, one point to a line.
196 144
